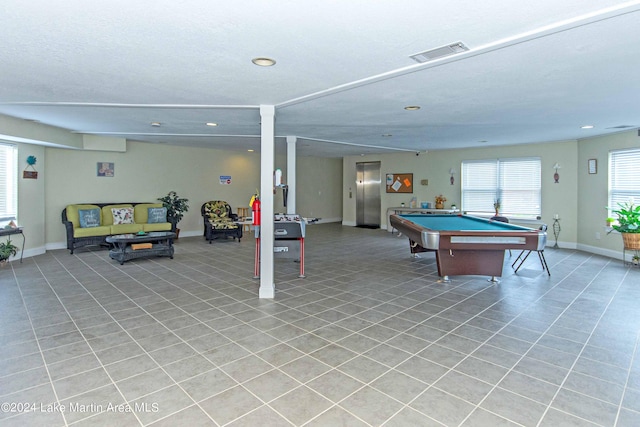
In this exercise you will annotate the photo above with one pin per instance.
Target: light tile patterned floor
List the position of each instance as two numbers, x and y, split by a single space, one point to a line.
369 338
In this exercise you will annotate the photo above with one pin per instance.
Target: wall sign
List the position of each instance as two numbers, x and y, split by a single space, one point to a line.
225 179
30 174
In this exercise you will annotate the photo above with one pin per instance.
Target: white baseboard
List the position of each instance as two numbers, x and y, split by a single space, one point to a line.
29 253
601 251
54 246
561 245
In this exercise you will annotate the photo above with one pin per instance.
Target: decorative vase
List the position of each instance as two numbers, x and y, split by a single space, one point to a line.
439 205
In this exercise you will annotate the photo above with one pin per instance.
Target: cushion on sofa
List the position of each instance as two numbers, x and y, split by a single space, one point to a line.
157 215
122 215
141 212
89 217
74 216
162 226
102 230
107 215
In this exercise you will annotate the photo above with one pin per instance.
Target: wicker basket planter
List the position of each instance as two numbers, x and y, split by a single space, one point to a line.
631 240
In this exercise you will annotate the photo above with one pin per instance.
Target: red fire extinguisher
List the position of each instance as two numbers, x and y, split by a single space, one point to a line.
255 208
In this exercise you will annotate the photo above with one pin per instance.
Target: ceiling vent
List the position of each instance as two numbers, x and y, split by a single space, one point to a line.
622 127
439 52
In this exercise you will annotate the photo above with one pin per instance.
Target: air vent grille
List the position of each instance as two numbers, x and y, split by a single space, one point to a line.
622 127
439 52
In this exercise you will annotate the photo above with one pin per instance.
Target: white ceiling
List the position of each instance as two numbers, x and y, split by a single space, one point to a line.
535 72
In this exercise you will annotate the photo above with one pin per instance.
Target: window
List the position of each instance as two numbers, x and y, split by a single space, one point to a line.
515 182
8 182
624 181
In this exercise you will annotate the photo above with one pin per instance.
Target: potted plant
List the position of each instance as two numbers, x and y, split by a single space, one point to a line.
628 224
7 249
176 207
610 221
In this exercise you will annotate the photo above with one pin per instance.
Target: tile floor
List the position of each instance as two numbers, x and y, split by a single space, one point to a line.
369 338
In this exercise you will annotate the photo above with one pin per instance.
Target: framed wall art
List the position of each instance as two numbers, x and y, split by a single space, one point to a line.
106 169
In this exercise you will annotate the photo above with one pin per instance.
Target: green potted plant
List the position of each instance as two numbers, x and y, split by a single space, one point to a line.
176 207
610 221
628 224
7 249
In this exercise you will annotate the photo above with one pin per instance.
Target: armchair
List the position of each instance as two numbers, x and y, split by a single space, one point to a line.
219 221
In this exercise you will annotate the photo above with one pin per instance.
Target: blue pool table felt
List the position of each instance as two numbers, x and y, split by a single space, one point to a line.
459 223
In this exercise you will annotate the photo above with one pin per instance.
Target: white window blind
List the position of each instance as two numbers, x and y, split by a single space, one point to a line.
515 182
624 180
8 182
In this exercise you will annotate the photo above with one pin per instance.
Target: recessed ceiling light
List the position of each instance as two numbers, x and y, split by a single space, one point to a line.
587 127
211 124
250 150
264 62
155 124
412 107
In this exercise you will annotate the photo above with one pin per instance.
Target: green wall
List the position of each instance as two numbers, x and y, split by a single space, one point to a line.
593 192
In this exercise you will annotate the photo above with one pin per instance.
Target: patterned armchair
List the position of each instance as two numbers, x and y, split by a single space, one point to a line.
219 221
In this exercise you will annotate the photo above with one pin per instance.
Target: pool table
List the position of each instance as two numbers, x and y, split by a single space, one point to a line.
464 244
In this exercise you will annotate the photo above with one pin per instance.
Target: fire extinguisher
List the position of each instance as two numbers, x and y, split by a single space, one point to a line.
255 208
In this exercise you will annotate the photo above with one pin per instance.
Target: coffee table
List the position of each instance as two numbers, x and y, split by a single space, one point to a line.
162 245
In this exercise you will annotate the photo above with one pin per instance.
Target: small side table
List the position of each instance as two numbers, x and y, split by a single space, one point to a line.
11 232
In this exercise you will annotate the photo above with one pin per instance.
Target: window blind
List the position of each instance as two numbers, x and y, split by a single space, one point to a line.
624 180
8 182
515 182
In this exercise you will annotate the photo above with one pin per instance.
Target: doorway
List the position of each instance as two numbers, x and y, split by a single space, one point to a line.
368 185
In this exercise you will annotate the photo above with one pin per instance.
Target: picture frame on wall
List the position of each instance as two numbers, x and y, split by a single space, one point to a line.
592 165
106 169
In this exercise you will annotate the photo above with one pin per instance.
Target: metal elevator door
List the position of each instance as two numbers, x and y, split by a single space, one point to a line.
368 184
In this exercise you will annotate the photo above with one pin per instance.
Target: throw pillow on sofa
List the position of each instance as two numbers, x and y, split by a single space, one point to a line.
122 215
157 215
89 218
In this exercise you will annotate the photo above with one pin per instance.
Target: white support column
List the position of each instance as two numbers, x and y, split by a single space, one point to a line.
291 174
267 163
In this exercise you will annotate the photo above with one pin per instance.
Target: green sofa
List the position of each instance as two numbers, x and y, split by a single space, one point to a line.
91 223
